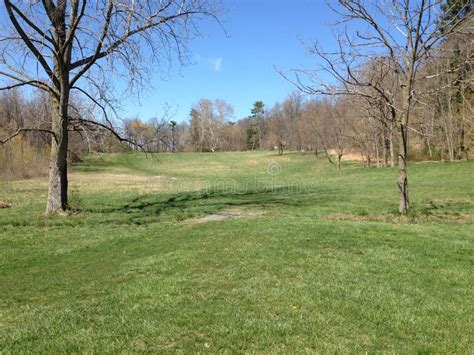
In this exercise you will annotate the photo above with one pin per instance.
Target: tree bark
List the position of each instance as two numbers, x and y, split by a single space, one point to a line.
448 125
392 147
58 182
385 146
377 154
402 166
403 145
280 149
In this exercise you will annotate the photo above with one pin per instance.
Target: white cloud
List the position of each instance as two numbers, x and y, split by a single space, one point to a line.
216 63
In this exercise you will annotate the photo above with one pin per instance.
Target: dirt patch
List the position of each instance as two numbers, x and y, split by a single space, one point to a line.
5 205
226 215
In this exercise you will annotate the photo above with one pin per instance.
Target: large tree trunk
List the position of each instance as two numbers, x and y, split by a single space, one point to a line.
58 184
57 194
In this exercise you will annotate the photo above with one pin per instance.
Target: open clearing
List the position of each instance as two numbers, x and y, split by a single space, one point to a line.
319 260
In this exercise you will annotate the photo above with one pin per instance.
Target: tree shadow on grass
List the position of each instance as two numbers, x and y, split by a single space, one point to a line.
94 165
154 207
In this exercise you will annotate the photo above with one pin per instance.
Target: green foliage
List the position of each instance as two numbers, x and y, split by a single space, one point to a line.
453 10
257 108
325 266
250 137
252 140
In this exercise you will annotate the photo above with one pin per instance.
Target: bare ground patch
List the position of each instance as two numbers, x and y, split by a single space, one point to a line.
226 215
5 204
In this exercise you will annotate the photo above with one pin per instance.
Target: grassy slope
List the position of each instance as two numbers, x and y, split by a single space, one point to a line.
328 266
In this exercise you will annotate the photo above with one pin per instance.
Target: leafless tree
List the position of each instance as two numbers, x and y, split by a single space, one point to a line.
279 127
401 35
333 129
293 109
60 46
207 122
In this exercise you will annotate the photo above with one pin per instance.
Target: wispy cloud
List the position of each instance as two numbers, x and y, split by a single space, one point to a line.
216 63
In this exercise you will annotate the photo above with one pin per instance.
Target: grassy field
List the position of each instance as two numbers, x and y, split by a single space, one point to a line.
314 260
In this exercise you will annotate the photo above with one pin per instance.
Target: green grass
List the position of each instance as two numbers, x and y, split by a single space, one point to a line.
325 264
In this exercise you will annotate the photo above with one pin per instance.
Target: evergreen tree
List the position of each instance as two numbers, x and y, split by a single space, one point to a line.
254 132
453 10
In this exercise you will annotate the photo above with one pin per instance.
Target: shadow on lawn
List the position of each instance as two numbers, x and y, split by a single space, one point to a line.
148 208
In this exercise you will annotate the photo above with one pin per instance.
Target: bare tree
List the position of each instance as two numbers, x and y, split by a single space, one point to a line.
207 122
333 129
65 45
293 110
401 34
309 125
279 126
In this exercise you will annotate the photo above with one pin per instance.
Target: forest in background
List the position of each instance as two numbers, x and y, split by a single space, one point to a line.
441 126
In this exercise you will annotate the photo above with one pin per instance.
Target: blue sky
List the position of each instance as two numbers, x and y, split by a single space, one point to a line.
239 67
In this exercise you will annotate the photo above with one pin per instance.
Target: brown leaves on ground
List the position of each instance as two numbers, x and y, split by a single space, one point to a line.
5 204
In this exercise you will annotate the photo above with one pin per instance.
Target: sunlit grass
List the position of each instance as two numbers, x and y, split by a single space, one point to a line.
323 264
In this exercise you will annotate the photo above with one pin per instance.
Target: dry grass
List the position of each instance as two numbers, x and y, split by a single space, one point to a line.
19 160
350 156
399 219
108 182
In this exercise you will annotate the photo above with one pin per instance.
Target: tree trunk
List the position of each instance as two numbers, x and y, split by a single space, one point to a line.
403 145
448 125
339 158
402 165
428 144
377 154
386 146
462 147
58 184
392 146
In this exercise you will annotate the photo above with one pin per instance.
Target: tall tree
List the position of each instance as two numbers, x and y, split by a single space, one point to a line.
173 125
256 128
279 126
207 121
60 46
401 34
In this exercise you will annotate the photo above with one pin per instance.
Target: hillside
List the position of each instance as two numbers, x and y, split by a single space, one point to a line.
245 251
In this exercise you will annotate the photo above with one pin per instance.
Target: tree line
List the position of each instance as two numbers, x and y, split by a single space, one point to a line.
395 86
329 127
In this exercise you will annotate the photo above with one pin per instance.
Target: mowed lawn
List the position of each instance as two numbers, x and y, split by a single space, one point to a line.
314 260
